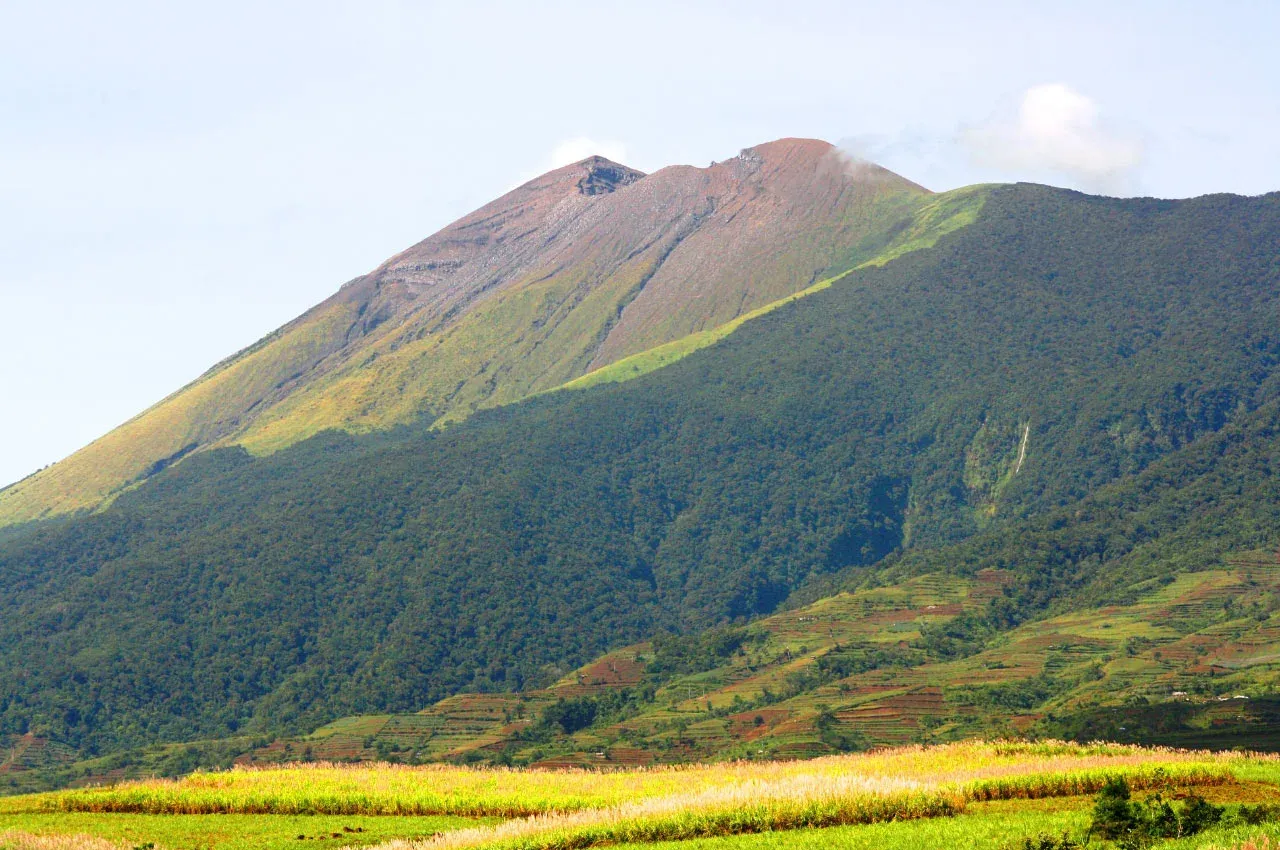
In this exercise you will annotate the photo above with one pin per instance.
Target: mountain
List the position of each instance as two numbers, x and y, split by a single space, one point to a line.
567 273
1061 409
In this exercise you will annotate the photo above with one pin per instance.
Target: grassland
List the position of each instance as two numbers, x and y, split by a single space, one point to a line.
982 827
225 831
966 794
979 771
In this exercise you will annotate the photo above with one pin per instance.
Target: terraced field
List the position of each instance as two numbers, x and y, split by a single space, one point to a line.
1189 661
853 671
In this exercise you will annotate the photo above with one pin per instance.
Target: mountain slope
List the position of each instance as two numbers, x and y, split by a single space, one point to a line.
567 273
1136 614
1169 634
1054 346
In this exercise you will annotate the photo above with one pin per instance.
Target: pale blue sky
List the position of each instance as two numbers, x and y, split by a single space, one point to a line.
178 179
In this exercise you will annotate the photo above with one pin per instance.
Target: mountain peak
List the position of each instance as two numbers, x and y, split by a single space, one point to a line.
792 147
832 165
602 175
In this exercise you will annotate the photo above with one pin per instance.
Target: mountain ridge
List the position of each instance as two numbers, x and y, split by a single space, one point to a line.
576 268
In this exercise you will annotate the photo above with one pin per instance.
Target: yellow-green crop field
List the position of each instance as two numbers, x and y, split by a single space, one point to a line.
955 796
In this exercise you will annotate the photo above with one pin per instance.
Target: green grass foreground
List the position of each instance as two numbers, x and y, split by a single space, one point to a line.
228 832
984 827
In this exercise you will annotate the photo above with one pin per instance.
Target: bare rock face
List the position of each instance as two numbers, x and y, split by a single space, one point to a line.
603 176
724 239
766 223
568 272
481 249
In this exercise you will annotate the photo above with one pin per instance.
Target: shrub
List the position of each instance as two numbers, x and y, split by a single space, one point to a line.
1113 814
1045 841
571 715
1259 814
1137 824
1197 815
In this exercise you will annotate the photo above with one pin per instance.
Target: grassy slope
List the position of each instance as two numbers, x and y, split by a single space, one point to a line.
531 335
541 334
200 413
983 827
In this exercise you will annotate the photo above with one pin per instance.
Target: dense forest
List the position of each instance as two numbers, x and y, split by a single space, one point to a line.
1186 512
1055 351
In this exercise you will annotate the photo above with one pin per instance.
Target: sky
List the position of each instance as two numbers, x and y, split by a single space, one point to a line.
178 179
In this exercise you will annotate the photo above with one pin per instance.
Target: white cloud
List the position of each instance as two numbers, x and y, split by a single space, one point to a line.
1056 129
572 150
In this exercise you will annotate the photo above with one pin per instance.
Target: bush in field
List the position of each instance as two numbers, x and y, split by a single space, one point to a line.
1044 841
1134 824
1113 813
1197 815
1259 814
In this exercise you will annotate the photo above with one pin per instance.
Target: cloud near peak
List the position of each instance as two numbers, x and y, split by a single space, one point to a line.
580 147
1056 129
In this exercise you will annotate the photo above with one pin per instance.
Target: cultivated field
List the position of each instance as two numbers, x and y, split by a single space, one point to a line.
959 795
784 694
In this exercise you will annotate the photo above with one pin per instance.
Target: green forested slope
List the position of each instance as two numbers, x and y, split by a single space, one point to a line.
1149 612
1058 344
